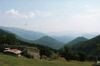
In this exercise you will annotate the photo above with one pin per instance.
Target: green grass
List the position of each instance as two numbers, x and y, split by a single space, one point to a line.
6 60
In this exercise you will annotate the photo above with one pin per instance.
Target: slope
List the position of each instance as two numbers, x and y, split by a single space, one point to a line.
25 34
90 47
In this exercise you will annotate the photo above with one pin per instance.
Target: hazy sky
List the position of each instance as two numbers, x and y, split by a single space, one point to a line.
82 16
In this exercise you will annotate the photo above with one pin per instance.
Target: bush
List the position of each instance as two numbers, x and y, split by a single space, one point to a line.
27 54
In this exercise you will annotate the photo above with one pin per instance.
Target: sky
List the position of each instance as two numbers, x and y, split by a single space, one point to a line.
52 16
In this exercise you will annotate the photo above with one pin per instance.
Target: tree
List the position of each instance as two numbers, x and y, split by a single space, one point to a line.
66 53
45 52
81 56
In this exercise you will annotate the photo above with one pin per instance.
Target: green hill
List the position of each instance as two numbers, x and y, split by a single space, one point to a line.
77 40
50 42
7 38
90 47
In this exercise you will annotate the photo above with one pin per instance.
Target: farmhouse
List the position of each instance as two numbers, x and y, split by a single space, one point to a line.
13 51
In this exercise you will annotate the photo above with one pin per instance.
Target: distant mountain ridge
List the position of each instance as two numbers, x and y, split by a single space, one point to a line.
25 34
77 40
50 42
43 39
64 39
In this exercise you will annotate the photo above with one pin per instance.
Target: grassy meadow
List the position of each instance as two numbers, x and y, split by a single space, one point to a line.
7 60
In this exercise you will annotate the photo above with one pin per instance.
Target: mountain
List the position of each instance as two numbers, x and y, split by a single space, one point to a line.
90 47
50 42
64 39
24 34
77 40
34 37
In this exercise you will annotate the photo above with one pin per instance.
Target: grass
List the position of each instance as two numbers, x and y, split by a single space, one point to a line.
6 60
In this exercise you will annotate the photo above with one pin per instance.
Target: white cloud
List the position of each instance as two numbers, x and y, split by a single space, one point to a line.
26 15
16 13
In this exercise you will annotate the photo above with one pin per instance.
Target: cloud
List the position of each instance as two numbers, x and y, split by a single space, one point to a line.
26 15
16 13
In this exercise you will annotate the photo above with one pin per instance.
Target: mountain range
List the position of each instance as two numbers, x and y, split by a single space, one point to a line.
54 42
90 48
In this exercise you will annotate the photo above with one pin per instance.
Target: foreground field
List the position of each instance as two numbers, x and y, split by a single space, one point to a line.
6 60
